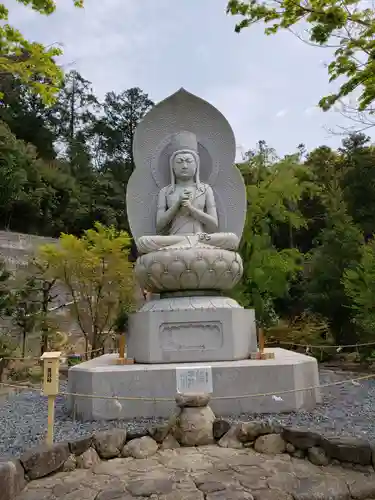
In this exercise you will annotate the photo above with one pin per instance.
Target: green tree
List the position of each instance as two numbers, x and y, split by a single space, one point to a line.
27 117
349 25
98 276
111 147
338 249
18 167
44 291
26 308
5 291
357 157
75 117
359 285
31 62
40 197
7 346
122 113
325 169
274 187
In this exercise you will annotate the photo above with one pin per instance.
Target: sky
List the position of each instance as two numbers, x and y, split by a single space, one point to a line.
268 87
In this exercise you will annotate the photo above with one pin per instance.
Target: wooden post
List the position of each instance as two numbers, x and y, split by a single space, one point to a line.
51 419
121 346
261 340
260 354
51 388
122 360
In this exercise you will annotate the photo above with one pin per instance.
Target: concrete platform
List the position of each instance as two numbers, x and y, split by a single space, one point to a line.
191 330
232 381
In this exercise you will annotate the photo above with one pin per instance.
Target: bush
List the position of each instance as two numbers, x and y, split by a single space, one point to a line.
301 333
19 372
359 284
35 374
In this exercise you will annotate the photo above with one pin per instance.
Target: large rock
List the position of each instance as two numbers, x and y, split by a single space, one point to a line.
88 459
317 456
70 464
290 448
220 428
299 454
230 439
348 449
109 444
302 439
43 460
194 426
169 443
134 434
159 432
12 479
271 444
143 447
79 446
192 400
249 431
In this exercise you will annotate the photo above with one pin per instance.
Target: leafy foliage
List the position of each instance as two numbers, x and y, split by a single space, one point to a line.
349 25
98 276
338 251
274 188
82 181
358 181
304 330
64 169
5 292
31 62
26 308
359 285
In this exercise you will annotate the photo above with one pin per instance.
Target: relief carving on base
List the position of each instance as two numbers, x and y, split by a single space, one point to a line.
194 335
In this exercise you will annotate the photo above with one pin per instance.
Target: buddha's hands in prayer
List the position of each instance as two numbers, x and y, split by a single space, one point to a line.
185 199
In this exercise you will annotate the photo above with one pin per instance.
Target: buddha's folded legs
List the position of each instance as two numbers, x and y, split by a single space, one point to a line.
225 241
147 244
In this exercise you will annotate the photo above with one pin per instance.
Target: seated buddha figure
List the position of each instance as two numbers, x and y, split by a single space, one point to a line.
186 211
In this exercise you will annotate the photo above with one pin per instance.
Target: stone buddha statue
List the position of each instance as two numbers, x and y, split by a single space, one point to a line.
186 214
186 201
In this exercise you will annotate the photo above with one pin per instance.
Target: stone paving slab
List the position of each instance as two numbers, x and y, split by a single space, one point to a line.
205 473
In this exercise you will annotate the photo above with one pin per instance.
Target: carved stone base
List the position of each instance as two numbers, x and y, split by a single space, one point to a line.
191 334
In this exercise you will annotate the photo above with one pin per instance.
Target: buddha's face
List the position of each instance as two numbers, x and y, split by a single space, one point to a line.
184 166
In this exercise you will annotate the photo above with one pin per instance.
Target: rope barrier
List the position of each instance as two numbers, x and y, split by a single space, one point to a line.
353 381
51 390
30 358
275 342
324 346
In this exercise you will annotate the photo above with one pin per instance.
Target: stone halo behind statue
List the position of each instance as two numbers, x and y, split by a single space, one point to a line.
216 148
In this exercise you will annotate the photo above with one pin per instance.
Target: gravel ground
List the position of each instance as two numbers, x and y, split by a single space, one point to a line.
348 409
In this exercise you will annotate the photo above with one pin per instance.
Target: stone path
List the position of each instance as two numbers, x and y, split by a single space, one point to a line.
206 473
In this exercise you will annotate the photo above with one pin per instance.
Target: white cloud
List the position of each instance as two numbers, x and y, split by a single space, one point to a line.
161 46
281 113
311 111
